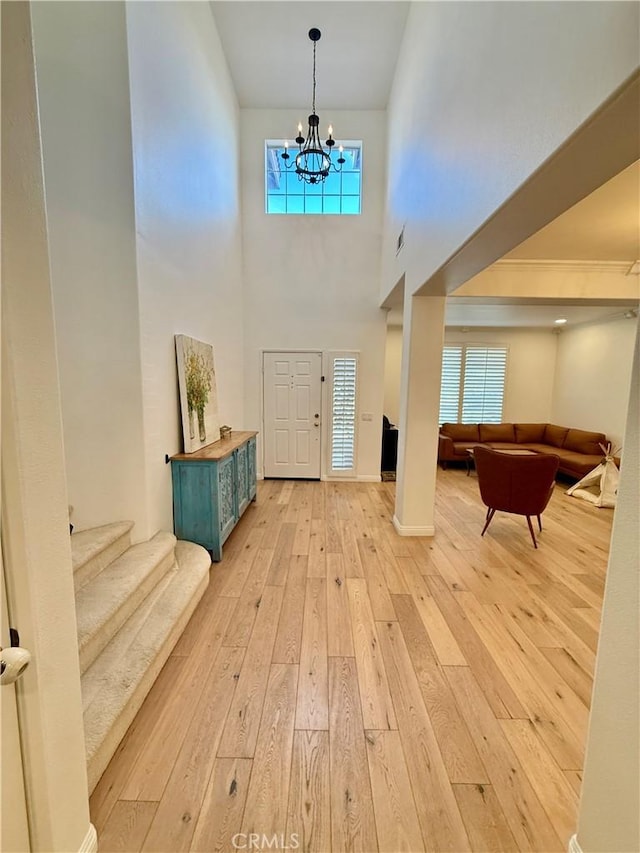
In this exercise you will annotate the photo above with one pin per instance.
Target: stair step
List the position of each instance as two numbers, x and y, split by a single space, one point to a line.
92 550
115 685
105 603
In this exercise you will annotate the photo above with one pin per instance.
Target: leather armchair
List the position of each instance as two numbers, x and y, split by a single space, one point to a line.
519 484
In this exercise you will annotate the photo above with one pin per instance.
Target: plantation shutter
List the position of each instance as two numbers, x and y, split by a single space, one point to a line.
484 373
450 384
343 413
472 384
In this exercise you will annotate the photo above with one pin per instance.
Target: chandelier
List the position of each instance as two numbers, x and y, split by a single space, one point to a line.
312 162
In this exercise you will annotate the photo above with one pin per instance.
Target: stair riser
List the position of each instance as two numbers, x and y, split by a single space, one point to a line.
106 743
93 645
95 565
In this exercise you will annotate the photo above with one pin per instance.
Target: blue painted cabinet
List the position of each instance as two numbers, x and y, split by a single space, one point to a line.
212 488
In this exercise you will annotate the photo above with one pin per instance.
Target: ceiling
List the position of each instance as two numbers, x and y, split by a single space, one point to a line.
604 226
270 61
270 55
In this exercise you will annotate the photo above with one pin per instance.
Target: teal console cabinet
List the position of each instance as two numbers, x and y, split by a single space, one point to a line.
212 488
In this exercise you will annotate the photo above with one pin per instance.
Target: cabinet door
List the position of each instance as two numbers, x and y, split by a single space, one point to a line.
251 467
242 478
227 506
193 518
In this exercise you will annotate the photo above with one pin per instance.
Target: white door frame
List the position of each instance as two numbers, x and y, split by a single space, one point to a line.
35 531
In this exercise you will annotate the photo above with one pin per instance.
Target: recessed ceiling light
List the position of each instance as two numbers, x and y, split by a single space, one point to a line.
560 321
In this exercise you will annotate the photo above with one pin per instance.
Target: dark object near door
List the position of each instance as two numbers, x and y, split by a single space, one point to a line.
389 459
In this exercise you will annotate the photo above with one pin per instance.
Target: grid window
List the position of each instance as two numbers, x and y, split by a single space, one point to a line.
472 386
340 193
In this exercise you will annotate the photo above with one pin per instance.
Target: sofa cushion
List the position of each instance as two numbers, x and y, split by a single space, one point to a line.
497 432
461 432
578 464
555 435
527 433
583 441
539 448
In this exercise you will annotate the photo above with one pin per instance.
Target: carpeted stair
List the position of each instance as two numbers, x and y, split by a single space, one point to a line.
132 604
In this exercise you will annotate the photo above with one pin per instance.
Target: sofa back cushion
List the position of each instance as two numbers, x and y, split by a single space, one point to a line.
461 432
497 432
583 441
530 433
555 435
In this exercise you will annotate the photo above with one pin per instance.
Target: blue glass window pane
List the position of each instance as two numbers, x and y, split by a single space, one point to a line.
276 204
293 184
331 204
313 189
351 183
332 184
313 204
350 204
275 182
295 204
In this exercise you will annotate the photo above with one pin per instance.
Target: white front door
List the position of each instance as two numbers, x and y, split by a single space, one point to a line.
292 414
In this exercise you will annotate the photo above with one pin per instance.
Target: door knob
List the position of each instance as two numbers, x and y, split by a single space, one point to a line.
13 662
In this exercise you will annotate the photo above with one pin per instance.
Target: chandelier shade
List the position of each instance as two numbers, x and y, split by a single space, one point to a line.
313 161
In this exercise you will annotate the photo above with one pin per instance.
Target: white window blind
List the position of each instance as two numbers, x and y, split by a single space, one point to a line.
450 387
472 384
343 413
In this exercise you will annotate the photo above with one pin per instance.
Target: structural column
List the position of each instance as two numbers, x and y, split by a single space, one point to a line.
608 818
422 340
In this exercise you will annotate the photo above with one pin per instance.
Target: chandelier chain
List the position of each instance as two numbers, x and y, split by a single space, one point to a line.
313 109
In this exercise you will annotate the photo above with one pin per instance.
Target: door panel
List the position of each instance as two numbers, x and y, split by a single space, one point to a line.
292 423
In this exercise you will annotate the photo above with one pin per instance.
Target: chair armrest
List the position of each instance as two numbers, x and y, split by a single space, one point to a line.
446 449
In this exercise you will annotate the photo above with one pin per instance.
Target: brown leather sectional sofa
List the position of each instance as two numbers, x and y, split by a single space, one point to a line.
579 450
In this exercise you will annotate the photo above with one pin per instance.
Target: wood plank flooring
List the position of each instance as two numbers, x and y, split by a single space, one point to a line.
340 688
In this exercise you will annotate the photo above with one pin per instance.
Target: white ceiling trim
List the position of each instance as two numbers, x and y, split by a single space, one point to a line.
620 267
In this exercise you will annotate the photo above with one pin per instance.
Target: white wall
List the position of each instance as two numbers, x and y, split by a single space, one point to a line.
593 376
83 90
483 94
392 373
185 143
312 282
530 370
608 819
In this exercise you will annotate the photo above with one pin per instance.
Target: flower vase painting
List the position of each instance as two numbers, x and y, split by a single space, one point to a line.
198 394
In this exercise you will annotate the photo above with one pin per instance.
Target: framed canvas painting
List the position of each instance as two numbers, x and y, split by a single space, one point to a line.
198 394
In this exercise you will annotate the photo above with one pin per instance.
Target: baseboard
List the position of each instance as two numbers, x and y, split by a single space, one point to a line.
403 530
90 843
368 478
574 847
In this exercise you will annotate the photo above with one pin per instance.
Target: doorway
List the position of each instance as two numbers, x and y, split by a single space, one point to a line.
292 395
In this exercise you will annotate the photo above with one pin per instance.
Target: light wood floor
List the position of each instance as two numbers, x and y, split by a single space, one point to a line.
369 692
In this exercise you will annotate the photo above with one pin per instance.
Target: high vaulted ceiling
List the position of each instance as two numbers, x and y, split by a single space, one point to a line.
270 55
